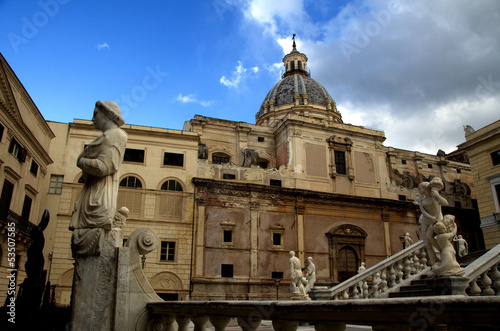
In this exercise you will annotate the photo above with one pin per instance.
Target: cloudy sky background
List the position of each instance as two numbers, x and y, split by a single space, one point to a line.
418 70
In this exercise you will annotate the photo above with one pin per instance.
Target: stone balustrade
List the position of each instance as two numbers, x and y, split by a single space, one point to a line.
485 271
381 279
445 312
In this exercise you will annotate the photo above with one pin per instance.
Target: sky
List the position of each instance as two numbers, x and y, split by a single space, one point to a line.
417 70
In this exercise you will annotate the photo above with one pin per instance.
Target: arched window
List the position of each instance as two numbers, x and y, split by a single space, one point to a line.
171 185
292 65
300 65
220 158
131 182
170 200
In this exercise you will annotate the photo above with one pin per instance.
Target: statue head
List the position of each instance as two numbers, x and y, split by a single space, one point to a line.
107 111
436 183
292 253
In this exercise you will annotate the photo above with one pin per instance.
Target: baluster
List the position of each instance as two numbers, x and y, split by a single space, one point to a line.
365 290
383 283
423 259
200 322
496 278
281 325
416 263
249 323
169 320
345 295
392 276
399 274
182 322
375 287
475 290
219 322
355 292
406 268
486 282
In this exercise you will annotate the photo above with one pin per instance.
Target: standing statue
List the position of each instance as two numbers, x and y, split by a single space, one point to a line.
463 248
445 230
430 204
361 268
310 273
407 241
100 162
295 273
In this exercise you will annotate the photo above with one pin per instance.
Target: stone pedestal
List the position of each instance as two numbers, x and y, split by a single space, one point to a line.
447 285
110 290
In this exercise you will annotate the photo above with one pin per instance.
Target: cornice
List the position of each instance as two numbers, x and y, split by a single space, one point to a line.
264 192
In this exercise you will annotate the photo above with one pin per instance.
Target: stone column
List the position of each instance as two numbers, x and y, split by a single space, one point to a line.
300 233
200 237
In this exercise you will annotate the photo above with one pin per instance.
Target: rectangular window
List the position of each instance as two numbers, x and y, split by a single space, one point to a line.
26 208
275 182
402 197
173 159
459 171
56 183
167 251
228 176
495 157
34 168
340 163
277 274
228 236
133 155
226 270
6 197
403 161
260 139
429 166
277 239
1 131
17 150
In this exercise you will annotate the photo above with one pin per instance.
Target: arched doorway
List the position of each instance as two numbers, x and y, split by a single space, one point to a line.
347 250
347 263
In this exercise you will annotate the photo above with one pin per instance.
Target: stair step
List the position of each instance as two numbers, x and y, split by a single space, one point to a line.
405 294
420 287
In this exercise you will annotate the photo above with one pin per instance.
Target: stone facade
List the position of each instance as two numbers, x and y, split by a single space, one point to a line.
483 150
146 193
24 157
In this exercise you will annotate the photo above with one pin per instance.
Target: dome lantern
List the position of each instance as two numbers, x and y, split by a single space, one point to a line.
295 62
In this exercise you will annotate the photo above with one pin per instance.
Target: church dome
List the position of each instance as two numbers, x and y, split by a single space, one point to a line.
284 92
298 94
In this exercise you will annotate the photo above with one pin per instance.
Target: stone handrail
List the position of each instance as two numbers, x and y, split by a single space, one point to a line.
469 313
482 269
380 279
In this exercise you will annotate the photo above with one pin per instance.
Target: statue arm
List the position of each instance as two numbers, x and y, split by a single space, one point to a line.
106 163
442 201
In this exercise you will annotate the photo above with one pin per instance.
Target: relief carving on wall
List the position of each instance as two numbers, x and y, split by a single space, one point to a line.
405 179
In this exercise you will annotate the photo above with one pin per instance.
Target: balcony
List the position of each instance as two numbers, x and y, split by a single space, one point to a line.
22 225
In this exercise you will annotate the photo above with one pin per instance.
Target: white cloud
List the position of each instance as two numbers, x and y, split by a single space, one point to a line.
191 98
418 71
238 75
102 46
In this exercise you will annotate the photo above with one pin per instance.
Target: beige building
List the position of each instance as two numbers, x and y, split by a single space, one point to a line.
24 157
483 150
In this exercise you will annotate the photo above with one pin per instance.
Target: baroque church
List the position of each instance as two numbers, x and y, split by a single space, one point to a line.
229 200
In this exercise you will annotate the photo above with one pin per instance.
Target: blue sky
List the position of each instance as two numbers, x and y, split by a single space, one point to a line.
417 70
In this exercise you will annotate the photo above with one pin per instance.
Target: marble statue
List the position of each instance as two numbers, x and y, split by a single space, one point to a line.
298 282
407 241
445 230
361 268
310 273
463 248
100 162
295 273
430 203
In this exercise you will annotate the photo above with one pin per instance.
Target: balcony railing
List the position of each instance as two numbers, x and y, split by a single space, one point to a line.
22 225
